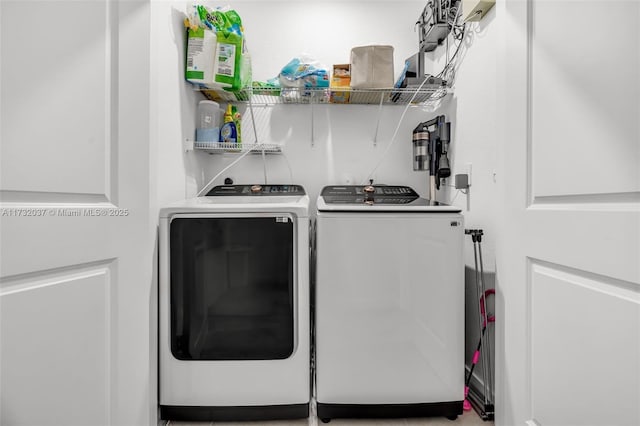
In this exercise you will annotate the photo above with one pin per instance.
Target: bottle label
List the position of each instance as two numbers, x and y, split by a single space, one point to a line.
227 133
226 56
200 47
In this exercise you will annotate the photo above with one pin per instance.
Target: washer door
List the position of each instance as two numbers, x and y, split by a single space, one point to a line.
232 288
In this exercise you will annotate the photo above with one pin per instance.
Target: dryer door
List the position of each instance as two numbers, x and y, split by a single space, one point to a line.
232 287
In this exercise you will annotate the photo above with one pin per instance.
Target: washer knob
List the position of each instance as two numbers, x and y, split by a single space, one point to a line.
256 189
369 189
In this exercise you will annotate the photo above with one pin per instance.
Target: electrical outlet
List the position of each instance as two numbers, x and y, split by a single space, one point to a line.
462 181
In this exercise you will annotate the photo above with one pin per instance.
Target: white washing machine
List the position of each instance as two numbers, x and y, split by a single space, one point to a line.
234 305
389 308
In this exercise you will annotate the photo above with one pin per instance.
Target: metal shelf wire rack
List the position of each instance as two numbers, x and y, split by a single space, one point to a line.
273 96
255 148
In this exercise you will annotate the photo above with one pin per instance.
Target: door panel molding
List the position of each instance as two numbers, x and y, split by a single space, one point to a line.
575 340
61 136
112 90
601 239
581 137
528 329
601 283
46 198
54 276
623 201
58 331
529 103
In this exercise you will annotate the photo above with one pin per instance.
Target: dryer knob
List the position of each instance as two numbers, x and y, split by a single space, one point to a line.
256 189
369 189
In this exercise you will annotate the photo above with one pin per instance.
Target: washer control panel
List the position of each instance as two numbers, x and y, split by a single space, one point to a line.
368 194
255 190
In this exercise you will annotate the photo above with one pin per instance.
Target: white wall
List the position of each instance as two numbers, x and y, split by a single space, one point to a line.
475 141
343 149
474 122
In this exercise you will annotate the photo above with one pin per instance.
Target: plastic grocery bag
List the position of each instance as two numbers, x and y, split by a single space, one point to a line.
304 72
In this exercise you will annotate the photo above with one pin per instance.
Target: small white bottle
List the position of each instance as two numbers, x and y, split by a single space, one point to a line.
208 126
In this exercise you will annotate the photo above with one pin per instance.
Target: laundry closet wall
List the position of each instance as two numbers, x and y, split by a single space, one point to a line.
337 144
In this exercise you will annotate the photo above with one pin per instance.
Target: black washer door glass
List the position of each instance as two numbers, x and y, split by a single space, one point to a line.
232 288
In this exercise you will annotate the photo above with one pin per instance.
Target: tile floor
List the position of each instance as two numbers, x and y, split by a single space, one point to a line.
469 418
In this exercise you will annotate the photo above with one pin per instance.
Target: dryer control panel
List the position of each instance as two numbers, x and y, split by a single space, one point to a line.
255 190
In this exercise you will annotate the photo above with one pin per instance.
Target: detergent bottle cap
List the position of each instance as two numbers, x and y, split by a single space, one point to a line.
228 114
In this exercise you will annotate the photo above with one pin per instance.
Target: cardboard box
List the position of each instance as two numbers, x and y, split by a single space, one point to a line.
340 78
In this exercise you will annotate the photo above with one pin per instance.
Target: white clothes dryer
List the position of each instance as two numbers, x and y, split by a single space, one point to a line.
389 304
234 305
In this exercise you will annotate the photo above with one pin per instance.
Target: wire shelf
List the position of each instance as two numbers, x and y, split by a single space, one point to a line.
221 147
272 96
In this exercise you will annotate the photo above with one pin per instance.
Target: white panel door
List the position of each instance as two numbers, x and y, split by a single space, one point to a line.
568 344
76 242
